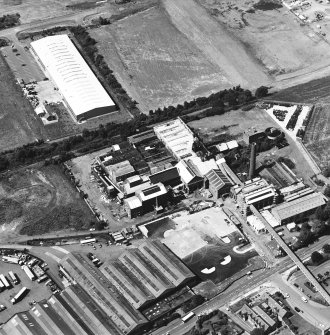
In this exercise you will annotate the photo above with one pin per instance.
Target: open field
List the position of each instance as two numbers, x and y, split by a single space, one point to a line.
37 201
18 123
154 62
288 50
233 123
32 10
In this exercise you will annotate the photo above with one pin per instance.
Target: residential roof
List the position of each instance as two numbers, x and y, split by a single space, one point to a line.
133 202
76 81
289 209
264 315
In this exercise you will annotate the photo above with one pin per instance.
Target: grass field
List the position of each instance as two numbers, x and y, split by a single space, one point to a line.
37 201
18 122
291 52
154 62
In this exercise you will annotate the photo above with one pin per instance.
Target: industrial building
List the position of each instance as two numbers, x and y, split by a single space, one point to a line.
150 198
298 209
169 177
189 178
144 274
116 290
177 137
103 292
255 192
82 93
218 183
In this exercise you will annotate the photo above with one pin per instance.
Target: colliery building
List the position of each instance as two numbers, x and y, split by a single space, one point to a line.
82 93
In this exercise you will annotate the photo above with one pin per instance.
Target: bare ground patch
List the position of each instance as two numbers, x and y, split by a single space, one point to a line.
38 201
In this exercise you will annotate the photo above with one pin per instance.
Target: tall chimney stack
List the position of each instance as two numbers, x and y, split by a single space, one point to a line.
252 161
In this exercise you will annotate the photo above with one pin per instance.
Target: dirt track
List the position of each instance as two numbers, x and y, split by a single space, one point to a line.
217 44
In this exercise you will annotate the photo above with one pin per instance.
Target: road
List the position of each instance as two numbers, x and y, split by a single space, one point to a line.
272 274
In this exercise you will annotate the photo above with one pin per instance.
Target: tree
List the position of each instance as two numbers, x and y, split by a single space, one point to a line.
318 227
321 214
316 257
305 237
257 331
261 92
326 248
327 191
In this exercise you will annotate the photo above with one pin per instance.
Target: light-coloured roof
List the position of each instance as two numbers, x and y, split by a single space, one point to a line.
185 173
133 202
232 144
222 147
75 80
291 225
298 206
152 192
203 167
270 218
255 222
177 137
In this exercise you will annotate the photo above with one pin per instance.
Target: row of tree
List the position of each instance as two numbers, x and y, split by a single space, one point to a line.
89 46
112 133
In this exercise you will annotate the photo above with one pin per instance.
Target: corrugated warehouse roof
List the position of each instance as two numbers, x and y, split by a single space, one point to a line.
218 179
105 294
298 206
133 202
72 75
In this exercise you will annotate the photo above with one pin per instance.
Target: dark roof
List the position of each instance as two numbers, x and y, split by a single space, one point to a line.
218 179
165 176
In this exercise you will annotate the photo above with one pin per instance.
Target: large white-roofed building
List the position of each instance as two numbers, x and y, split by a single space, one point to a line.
82 93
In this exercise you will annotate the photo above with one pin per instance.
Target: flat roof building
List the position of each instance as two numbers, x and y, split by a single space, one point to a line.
82 93
169 177
297 209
